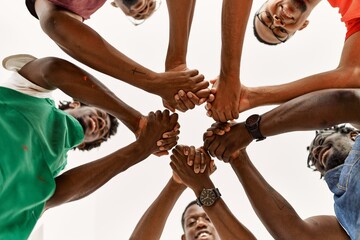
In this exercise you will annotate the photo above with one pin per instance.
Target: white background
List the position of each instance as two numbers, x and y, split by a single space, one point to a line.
113 211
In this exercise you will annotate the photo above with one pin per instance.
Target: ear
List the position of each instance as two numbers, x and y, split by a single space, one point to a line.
81 145
183 237
353 135
305 24
75 104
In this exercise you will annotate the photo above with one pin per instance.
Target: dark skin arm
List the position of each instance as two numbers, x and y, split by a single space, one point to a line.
79 41
226 224
52 73
158 212
316 110
81 181
227 88
278 216
346 75
180 19
160 209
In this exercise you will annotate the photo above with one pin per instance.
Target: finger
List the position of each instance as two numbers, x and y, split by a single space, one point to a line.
212 166
161 153
197 162
202 163
174 121
191 156
207 134
208 141
170 134
170 145
168 106
179 104
193 98
193 72
185 100
212 148
203 93
211 98
235 114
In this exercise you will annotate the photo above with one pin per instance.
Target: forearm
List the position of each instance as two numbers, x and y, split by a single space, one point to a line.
235 14
82 86
87 46
180 19
338 78
158 212
313 111
81 181
277 215
226 224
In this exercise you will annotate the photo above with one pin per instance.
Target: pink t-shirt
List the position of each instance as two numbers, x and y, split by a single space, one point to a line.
350 14
84 8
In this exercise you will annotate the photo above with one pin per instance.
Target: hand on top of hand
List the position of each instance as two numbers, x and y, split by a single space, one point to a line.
159 132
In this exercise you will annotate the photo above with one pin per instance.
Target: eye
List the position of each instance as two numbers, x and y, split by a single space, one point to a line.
191 223
283 30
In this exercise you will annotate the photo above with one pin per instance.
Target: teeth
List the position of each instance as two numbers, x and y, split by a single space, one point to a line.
203 234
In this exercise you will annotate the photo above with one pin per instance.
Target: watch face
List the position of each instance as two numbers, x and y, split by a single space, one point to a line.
208 197
253 119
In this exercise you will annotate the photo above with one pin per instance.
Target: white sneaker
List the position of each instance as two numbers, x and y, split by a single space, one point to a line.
17 61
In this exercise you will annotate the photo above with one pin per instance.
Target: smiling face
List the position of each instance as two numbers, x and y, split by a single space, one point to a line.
330 149
95 122
277 20
197 225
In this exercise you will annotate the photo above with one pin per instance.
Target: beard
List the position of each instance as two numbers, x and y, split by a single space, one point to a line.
300 4
335 160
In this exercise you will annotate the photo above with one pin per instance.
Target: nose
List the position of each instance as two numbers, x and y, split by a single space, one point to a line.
101 123
201 222
278 22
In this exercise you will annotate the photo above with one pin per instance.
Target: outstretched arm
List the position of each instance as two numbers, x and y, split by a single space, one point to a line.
235 14
278 216
226 224
346 75
312 111
87 46
180 20
52 73
158 212
81 181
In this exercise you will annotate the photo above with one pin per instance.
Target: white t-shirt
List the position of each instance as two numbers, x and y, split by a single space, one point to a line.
21 84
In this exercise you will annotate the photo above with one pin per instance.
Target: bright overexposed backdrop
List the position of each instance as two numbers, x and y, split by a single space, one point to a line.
113 211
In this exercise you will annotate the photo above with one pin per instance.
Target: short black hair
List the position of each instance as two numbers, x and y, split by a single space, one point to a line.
342 129
114 123
183 214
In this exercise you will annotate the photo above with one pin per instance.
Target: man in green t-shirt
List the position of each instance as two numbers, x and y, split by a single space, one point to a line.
36 136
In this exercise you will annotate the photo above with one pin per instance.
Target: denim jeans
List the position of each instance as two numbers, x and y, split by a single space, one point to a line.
344 182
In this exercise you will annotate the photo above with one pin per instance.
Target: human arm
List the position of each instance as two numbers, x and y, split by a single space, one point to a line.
180 20
226 224
79 41
81 181
52 73
312 111
277 215
227 88
346 75
158 212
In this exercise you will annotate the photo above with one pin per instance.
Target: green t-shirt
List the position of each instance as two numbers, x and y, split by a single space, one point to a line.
35 137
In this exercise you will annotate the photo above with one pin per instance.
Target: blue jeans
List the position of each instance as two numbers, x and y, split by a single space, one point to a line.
344 182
